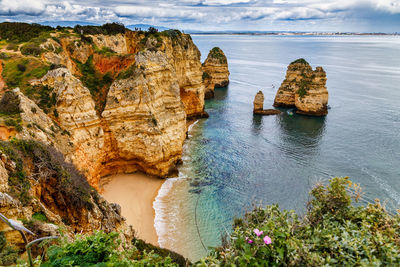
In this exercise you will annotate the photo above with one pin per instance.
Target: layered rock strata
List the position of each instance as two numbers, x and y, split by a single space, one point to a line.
304 88
215 71
258 104
121 101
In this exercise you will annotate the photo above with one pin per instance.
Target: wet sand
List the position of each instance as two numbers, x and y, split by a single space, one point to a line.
135 193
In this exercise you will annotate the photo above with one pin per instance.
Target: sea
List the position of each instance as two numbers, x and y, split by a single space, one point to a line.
234 160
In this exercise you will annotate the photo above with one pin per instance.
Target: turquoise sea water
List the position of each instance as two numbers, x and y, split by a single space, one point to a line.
234 160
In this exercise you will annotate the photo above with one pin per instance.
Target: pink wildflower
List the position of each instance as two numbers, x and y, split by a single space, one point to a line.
249 240
258 232
267 240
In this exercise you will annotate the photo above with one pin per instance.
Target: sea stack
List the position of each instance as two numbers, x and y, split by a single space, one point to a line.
215 71
304 88
259 106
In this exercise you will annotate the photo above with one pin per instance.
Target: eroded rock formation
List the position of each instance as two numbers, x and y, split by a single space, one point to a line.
304 89
215 71
259 106
120 101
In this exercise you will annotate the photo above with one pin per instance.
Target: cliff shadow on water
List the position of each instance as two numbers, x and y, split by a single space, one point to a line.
301 131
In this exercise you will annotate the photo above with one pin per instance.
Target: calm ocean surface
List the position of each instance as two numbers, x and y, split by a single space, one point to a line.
234 160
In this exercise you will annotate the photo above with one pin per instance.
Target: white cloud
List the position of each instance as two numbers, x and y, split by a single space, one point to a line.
223 14
29 7
224 2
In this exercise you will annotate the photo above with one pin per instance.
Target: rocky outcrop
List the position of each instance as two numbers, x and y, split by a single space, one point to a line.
258 102
259 106
142 126
145 118
215 71
304 89
121 101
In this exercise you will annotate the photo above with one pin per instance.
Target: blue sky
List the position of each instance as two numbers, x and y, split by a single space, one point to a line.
285 15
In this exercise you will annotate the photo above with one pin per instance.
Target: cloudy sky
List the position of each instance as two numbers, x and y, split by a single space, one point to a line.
295 15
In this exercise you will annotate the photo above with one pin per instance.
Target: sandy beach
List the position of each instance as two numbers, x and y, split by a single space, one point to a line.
135 193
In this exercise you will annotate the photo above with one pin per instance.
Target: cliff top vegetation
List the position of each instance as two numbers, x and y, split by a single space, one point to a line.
300 61
22 32
216 53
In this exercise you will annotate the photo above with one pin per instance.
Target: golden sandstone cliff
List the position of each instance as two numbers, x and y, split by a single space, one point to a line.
121 101
304 89
215 71
100 103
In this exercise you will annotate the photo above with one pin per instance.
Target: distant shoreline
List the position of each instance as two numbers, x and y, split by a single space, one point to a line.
294 33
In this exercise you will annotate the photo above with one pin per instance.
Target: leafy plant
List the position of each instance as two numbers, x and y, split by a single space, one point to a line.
9 103
216 53
97 83
300 61
14 77
22 32
8 254
16 123
107 29
31 49
333 232
101 249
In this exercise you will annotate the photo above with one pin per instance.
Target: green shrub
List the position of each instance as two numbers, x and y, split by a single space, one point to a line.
175 257
21 67
9 103
22 32
8 254
107 29
217 53
31 49
12 46
105 51
40 216
300 61
97 83
333 232
4 55
303 86
17 78
101 249
205 76
14 123
125 74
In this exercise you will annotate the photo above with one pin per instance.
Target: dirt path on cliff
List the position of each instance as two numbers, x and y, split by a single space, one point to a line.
135 193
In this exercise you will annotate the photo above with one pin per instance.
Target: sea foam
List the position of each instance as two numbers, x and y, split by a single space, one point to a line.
162 220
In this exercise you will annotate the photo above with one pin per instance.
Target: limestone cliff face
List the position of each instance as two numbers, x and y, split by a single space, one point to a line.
184 56
76 113
142 125
145 117
215 71
304 89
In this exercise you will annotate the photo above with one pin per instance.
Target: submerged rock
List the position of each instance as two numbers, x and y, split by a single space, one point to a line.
259 106
215 71
304 89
